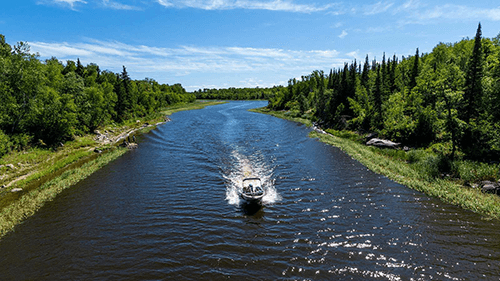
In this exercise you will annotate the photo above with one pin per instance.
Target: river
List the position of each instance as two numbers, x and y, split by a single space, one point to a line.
169 211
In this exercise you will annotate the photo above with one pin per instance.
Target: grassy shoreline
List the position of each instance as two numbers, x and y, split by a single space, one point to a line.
44 173
449 191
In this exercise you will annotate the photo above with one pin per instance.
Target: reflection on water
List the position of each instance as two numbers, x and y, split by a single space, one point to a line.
170 211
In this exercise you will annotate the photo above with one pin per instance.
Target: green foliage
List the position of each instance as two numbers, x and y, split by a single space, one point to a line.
4 143
472 171
432 166
451 95
43 103
416 155
238 93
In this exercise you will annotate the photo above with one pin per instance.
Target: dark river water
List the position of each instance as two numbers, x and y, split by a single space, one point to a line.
169 211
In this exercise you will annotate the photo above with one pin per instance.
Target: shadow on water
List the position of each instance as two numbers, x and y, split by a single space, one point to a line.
252 209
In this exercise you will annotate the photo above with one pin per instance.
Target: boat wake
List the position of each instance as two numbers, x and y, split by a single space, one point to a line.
245 167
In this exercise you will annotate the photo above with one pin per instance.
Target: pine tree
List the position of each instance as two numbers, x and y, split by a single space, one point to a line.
122 89
364 74
330 80
80 70
473 92
414 72
377 101
474 141
392 74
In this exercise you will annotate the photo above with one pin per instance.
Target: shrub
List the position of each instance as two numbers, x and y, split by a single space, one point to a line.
4 143
473 171
416 155
433 166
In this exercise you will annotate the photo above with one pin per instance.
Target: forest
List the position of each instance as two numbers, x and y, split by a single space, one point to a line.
238 93
448 99
44 103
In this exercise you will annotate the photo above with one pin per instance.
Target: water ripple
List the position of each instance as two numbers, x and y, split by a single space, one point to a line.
170 210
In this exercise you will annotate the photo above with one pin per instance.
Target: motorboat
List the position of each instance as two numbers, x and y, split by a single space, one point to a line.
252 191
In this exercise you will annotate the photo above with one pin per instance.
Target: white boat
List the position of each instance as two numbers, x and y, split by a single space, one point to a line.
252 191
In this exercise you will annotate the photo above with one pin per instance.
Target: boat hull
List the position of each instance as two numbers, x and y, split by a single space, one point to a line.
252 199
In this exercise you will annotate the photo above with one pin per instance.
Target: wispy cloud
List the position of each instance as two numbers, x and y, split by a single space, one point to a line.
453 12
187 60
66 3
343 34
377 8
72 4
118 6
276 5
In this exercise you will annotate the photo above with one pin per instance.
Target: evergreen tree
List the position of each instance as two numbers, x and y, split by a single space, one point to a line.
392 74
80 70
414 72
473 92
364 74
377 101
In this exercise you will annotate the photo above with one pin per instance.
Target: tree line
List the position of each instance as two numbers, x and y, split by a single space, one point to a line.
47 102
237 93
450 96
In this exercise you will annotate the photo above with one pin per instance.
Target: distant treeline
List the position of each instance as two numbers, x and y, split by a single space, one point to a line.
238 93
449 98
48 102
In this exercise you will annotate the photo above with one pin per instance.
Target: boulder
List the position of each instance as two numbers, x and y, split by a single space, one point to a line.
382 143
132 145
371 136
489 188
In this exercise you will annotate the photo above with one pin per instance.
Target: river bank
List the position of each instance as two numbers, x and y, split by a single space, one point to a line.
451 191
30 178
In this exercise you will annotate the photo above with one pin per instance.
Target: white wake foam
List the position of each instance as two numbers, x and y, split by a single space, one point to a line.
246 167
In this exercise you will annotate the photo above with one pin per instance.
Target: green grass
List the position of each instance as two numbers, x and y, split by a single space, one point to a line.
284 115
54 166
189 106
33 200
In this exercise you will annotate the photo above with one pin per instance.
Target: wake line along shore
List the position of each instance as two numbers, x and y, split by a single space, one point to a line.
31 178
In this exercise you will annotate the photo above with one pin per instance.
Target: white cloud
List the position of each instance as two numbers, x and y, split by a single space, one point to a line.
455 12
343 34
117 6
186 60
354 54
377 8
276 5
70 3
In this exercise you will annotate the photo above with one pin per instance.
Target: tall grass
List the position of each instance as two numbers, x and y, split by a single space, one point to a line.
33 200
285 115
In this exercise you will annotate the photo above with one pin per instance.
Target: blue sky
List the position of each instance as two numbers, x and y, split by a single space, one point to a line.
238 43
